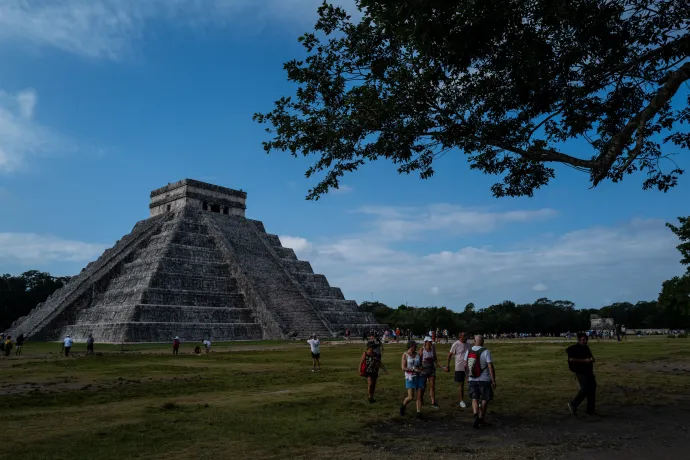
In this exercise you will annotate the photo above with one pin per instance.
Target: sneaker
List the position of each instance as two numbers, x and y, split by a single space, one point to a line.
476 423
572 409
482 422
313 370
402 410
434 405
462 404
372 400
419 415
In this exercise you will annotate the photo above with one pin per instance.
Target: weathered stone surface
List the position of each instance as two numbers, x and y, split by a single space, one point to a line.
195 269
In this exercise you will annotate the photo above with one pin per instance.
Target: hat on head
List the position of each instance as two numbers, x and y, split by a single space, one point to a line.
427 339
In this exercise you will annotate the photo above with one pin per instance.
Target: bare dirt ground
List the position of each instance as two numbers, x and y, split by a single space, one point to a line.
626 433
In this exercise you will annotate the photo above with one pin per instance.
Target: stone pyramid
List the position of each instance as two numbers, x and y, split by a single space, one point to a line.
196 268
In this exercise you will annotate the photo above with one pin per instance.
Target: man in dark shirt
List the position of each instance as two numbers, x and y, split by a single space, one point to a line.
581 362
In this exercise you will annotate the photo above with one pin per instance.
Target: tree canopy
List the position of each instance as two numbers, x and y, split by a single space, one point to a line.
505 82
20 294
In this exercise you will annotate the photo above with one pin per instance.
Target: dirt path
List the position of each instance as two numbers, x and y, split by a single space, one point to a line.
627 433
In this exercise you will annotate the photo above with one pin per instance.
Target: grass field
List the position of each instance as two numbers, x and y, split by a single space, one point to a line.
260 400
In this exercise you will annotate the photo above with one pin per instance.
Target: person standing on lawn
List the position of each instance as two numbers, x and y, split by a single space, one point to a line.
581 362
459 350
429 365
315 345
67 345
207 345
89 345
411 365
369 367
176 345
482 378
20 344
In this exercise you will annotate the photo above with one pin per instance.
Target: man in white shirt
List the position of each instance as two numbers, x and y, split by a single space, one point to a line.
482 378
207 344
315 345
459 349
67 344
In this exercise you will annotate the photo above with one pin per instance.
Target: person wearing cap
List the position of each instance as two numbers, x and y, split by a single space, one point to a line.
315 345
176 345
414 383
429 365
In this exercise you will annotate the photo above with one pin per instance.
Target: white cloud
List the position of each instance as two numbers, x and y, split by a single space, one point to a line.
540 287
341 190
299 245
586 266
31 248
399 223
20 135
107 28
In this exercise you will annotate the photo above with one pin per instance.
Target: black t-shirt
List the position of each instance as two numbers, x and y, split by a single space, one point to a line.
580 352
375 345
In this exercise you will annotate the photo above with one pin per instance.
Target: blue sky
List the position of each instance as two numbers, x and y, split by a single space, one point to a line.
102 101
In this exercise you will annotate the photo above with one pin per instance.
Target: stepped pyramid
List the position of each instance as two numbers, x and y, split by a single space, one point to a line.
196 268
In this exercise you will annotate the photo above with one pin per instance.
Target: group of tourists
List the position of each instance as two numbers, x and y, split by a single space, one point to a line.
6 345
473 364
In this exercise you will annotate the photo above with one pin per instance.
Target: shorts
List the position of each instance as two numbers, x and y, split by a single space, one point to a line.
373 375
316 356
430 374
481 391
417 382
459 376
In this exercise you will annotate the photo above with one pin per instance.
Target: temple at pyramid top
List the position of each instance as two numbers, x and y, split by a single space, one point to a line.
198 195
196 268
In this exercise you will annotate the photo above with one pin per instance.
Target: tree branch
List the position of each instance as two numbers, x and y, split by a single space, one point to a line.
621 139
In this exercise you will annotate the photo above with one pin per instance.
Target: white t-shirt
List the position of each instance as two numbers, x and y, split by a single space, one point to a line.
484 361
207 343
460 350
67 342
315 345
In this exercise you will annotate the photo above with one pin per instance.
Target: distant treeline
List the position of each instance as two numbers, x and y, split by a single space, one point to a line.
543 316
20 294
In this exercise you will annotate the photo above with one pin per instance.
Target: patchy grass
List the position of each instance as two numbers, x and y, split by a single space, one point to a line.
140 401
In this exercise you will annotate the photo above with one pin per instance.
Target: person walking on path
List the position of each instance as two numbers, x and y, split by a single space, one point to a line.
482 379
376 344
429 365
176 345
20 344
67 345
414 383
581 362
315 345
89 344
459 350
369 367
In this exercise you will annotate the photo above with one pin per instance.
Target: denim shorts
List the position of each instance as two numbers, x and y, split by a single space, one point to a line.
417 382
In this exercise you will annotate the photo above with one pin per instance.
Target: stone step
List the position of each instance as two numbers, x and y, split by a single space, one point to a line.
191 226
285 253
184 238
306 279
130 281
165 313
193 253
123 296
192 268
258 224
191 334
272 239
165 280
335 304
296 266
193 298
324 292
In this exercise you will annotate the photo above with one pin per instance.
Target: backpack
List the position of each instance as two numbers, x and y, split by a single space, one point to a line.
473 363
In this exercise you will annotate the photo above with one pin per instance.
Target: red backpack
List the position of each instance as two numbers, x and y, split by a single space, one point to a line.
474 366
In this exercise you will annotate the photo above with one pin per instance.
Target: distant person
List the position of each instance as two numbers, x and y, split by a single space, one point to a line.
459 350
176 345
369 365
89 344
414 383
2 343
20 344
429 365
581 362
347 334
67 345
624 332
315 345
398 333
482 379
207 345
8 345
618 332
